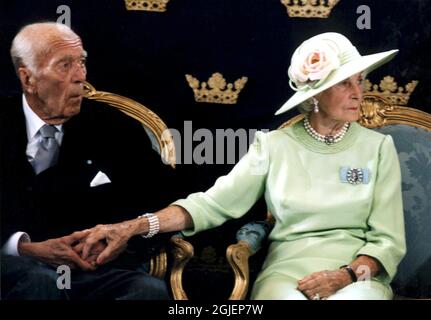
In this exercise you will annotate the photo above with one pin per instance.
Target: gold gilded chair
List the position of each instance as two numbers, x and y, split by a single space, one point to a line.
385 111
162 141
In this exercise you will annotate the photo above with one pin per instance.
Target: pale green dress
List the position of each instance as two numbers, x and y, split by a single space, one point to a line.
322 221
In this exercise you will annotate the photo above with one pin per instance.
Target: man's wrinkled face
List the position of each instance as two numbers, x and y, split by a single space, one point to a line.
58 86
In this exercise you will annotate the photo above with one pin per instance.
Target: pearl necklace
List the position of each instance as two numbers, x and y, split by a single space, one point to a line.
328 139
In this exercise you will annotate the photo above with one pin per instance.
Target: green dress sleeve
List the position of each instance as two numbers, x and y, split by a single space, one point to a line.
232 195
386 237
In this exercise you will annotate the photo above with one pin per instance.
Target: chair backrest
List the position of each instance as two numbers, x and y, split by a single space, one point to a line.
156 129
411 131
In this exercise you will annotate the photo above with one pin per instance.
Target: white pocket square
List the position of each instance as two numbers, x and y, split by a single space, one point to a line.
99 179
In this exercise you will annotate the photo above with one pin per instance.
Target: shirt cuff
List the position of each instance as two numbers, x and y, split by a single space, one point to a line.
11 245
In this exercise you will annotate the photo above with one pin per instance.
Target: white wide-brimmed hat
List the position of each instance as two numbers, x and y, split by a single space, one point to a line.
325 60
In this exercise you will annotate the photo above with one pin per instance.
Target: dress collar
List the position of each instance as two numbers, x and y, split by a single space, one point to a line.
302 136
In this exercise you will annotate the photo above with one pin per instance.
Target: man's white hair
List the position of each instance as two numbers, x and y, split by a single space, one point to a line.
30 44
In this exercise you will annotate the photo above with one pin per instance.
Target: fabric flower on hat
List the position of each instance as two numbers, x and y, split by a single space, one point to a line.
312 63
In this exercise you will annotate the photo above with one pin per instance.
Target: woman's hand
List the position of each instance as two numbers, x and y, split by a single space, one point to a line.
115 236
322 284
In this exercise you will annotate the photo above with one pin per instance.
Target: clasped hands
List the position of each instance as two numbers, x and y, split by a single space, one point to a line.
82 249
104 243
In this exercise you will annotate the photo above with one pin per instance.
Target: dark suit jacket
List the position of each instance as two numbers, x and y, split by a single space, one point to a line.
60 200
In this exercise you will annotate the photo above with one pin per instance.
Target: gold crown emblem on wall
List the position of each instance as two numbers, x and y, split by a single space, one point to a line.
388 89
309 8
216 90
147 5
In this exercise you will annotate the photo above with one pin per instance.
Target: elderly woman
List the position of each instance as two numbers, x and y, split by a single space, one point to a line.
333 187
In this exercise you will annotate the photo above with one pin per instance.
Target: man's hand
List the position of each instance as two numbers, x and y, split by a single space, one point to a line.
57 251
115 236
324 283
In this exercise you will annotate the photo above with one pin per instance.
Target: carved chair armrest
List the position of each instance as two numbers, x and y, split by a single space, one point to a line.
250 238
182 251
159 264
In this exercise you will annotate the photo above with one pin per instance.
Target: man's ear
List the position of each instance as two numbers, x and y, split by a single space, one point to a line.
27 79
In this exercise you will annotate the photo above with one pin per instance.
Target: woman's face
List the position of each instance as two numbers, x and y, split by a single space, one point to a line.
341 102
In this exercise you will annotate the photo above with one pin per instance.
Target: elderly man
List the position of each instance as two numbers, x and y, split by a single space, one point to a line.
66 167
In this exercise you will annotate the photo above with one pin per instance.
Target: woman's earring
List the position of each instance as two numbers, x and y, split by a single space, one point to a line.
315 105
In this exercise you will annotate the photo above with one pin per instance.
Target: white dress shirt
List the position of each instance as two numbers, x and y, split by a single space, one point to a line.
33 124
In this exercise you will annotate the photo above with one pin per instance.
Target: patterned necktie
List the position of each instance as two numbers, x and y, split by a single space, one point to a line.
48 148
